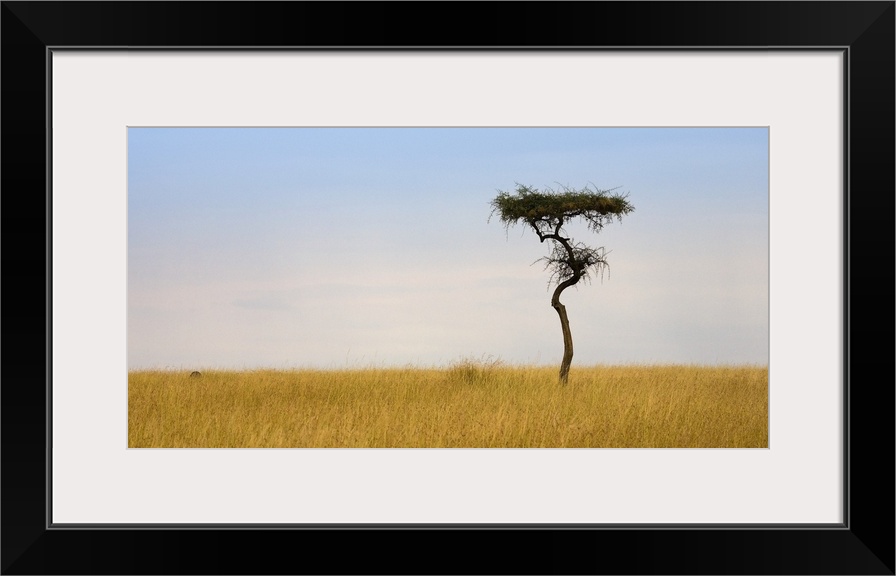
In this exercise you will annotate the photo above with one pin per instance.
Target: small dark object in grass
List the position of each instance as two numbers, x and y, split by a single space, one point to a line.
195 374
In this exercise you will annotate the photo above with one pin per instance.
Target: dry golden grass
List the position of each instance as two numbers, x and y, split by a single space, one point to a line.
469 405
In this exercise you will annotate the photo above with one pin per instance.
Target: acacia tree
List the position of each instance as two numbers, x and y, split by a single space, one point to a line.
546 212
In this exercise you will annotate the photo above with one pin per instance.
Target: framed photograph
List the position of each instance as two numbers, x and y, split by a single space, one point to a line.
148 145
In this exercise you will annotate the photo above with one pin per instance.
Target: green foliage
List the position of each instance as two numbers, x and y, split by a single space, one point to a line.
548 210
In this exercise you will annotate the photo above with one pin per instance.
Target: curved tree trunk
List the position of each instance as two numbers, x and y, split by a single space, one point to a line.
577 271
567 342
564 325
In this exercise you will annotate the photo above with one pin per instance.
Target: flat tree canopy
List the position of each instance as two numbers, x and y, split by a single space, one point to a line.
547 210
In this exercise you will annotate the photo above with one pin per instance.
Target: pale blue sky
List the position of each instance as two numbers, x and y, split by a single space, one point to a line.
344 247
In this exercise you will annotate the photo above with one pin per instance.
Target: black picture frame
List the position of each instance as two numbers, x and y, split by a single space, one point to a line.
864 544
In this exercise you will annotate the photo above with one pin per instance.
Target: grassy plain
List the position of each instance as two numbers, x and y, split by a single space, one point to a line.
468 405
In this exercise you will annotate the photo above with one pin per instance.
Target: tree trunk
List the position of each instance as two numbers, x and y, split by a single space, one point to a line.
567 341
577 268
